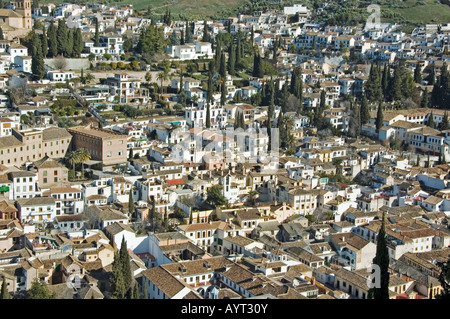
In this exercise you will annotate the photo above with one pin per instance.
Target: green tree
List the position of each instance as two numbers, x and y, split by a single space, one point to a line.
222 66
215 196
430 122
37 58
205 37
44 43
61 37
69 44
379 119
296 87
208 116
117 281
188 36
425 99
39 290
373 85
52 40
84 156
124 258
258 70
78 43
364 111
96 34
130 202
395 86
232 60
4 294
418 74
385 80
444 124
382 261
73 159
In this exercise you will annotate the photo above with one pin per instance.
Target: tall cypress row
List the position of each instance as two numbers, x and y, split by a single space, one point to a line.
52 40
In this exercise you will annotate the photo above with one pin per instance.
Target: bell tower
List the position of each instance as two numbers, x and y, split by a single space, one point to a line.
23 7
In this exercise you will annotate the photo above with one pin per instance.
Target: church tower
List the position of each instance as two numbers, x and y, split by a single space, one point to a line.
23 7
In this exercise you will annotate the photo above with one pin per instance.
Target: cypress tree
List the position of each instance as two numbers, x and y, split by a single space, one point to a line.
4 294
77 43
52 40
382 260
385 80
431 78
223 93
135 292
205 37
431 120
258 70
395 86
210 86
425 100
222 66
44 43
275 49
354 122
37 59
97 34
208 116
69 44
373 85
232 60
118 287
217 56
379 119
364 111
2 37
284 97
124 258
61 36
182 38
238 50
444 124
130 202
296 87
188 37
417 74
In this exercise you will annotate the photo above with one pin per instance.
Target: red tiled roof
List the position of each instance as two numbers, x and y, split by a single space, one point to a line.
176 181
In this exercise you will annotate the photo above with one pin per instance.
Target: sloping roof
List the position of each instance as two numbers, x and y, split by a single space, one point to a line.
116 228
54 133
164 280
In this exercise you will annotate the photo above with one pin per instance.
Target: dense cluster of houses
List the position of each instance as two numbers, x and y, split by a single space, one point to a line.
297 226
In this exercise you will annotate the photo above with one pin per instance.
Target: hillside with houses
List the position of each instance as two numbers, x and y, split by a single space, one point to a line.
266 155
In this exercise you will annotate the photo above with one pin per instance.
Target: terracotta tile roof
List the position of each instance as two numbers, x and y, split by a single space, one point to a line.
164 280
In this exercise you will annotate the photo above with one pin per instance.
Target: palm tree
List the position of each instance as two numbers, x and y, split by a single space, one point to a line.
73 159
84 156
162 76
291 140
88 78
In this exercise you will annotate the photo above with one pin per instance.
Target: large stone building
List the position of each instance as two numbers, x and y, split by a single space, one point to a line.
104 145
15 19
27 146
